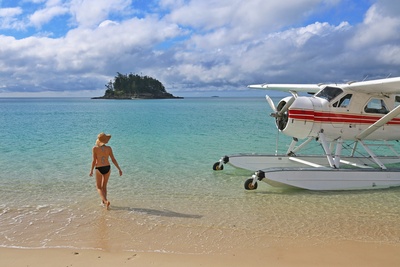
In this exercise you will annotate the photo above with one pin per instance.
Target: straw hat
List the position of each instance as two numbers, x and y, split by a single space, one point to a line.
102 139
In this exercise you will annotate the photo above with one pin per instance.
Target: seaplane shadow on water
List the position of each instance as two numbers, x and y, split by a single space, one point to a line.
364 115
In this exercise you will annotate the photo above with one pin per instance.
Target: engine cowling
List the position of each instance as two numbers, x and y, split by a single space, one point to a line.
298 120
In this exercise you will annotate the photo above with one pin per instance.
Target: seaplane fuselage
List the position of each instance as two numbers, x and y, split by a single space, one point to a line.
339 114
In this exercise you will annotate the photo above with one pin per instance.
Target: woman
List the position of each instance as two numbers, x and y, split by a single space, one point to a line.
101 153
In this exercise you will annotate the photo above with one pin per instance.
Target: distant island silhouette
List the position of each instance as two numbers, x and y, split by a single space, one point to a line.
134 86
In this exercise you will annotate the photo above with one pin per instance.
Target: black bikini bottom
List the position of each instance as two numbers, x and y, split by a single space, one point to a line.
104 169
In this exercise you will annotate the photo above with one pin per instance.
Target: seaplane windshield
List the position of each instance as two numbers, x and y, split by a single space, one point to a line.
329 93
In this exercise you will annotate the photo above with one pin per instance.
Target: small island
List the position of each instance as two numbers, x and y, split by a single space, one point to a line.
133 86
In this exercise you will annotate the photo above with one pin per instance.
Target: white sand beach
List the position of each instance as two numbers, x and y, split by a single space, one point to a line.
348 253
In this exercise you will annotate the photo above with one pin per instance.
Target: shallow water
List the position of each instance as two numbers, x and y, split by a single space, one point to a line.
168 199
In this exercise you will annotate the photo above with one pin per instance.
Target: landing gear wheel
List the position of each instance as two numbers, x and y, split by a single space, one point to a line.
217 167
248 185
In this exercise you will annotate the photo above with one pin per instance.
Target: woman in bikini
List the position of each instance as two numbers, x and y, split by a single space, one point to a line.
101 153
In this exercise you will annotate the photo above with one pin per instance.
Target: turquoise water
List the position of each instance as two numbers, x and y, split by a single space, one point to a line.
168 198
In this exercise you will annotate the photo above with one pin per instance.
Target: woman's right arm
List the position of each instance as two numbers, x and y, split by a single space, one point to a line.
93 161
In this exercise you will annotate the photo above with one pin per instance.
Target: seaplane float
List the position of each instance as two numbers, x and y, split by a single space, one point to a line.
362 117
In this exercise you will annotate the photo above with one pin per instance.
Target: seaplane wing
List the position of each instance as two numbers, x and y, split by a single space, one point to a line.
307 88
384 86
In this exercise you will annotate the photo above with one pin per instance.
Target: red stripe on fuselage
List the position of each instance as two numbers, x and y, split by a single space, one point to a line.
328 117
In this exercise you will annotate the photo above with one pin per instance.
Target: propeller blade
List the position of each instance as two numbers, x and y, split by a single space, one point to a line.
286 106
271 103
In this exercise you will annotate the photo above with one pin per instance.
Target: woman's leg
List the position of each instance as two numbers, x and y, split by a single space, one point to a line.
105 182
101 184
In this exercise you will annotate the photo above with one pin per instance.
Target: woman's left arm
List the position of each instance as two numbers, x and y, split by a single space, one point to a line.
115 161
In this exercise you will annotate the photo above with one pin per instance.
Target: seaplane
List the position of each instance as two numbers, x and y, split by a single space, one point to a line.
349 123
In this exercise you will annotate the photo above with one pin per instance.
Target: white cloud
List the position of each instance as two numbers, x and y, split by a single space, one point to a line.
379 26
35 1
291 53
8 18
45 15
107 23
240 16
202 45
377 39
390 54
89 13
172 4
85 58
10 12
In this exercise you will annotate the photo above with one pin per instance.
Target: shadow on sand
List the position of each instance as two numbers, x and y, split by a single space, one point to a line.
163 213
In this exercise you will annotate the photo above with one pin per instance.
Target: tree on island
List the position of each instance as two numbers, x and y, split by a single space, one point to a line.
134 86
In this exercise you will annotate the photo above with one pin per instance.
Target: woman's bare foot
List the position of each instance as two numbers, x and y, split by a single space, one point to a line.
108 203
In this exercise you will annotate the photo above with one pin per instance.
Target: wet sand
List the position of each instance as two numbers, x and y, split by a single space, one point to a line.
306 253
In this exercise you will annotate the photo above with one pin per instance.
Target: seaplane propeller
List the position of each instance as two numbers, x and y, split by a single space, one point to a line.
280 112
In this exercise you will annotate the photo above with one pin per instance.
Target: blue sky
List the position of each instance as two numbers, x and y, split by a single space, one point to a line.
194 47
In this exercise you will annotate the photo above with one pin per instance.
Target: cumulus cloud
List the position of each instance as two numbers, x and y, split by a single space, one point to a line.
89 13
45 15
377 39
295 54
195 45
379 27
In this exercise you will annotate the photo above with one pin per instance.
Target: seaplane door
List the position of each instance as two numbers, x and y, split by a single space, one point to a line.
339 109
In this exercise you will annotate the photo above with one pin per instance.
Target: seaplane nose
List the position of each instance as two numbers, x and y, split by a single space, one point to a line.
298 118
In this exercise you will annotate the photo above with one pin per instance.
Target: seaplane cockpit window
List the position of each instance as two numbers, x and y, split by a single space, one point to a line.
329 93
343 102
376 106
